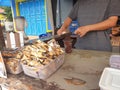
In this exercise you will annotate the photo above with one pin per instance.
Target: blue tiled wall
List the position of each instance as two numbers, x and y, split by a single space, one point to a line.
34 12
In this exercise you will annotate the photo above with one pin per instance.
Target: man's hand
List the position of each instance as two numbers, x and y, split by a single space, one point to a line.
65 25
104 25
82 31
60 31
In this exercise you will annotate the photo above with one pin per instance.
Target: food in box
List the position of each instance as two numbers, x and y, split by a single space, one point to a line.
44 71
110 79
115 61
7 52
12 61
13 65
41 58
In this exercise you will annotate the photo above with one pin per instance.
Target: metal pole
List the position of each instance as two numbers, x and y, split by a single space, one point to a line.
13 14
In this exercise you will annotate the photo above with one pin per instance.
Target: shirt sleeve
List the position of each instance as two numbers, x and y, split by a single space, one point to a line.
114 8
73 13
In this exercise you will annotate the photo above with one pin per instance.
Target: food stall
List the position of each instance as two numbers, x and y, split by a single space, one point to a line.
58 70
45 66
81 70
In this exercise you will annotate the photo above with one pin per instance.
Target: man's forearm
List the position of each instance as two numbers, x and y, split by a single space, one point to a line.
66 23
110 22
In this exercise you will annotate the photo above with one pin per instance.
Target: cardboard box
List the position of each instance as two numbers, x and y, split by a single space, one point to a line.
14 40
115 41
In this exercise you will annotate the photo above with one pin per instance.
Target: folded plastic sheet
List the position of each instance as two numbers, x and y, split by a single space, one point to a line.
115 61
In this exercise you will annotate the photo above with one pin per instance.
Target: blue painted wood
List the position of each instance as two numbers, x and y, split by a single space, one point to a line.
5 3
34 12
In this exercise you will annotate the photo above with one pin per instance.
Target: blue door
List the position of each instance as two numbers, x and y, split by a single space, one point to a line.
35 15
5 3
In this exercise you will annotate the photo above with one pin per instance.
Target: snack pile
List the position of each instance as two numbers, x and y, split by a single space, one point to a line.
39 53
12 64
39 60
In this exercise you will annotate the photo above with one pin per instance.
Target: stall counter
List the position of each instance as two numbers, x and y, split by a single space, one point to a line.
81 71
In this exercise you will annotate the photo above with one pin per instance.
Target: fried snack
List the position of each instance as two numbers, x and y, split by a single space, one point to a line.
8 53
13 65
19 55
13 84
40 53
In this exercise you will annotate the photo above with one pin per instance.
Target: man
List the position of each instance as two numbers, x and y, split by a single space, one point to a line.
95 18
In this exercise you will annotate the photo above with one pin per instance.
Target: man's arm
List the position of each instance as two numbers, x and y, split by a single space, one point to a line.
65 25
110 22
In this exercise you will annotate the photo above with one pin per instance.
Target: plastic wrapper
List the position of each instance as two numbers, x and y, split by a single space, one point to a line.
43 72
13 66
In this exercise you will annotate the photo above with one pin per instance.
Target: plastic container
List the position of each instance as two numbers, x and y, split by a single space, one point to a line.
13 66
43 72
44 36
115 61
110 79
74 25
10 52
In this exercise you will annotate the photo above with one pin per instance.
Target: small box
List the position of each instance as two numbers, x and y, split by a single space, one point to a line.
14 40
110 79
44 72
115 61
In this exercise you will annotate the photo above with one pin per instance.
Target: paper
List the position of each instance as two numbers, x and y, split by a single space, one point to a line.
3 73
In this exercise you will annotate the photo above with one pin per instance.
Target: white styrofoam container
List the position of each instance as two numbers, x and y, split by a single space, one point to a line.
115 61
44 72
4 87
110 79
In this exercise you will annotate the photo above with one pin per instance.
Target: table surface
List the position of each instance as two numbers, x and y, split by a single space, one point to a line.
81 71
